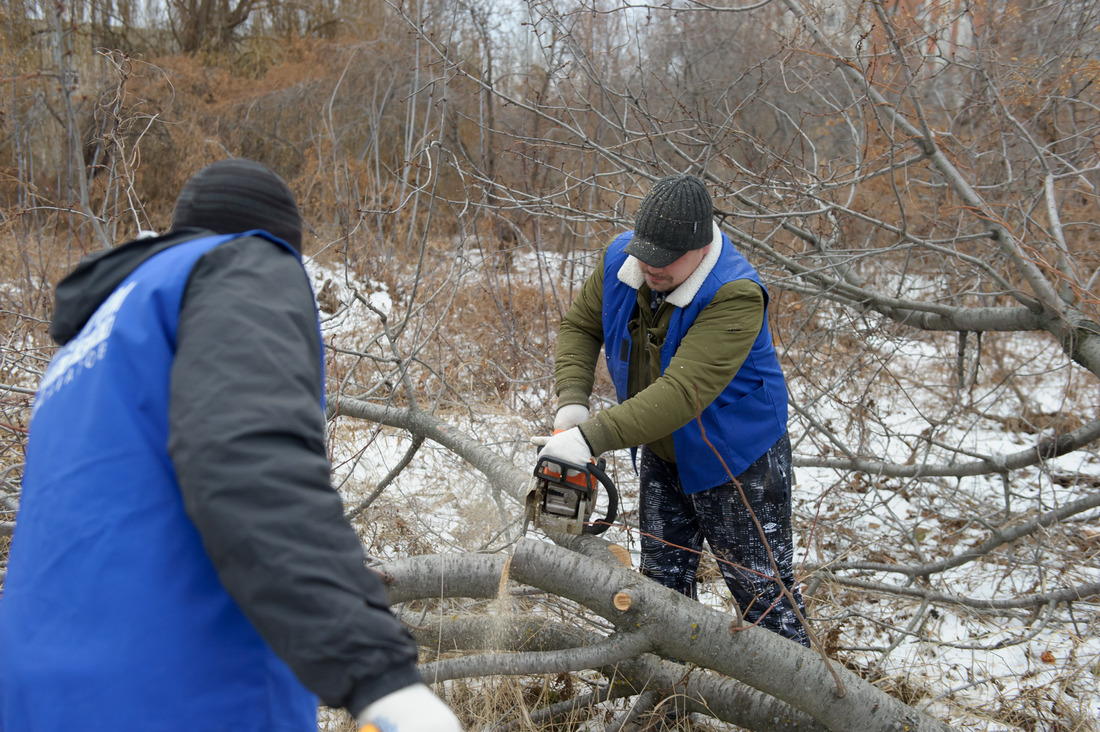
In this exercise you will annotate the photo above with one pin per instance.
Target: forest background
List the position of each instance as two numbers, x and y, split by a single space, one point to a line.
915 181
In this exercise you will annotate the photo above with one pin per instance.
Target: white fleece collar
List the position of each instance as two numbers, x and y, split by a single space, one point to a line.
631 275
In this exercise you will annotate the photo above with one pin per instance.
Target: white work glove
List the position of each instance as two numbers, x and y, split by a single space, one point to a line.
568 446
568 416
412 709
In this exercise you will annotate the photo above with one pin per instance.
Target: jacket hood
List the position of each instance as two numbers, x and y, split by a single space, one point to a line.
84 289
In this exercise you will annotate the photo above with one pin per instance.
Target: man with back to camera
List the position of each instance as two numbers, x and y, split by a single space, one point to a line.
682 318
180 559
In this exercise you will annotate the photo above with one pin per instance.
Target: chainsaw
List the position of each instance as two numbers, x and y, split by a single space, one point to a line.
563 497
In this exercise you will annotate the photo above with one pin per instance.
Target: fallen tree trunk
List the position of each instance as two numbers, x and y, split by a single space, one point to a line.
681 629
665 623
694 690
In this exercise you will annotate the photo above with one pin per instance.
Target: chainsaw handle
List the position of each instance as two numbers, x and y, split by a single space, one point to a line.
598 527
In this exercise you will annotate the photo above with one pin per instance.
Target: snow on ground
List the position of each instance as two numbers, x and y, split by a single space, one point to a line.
959 663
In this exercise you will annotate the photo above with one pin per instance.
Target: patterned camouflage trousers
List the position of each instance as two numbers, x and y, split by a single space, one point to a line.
674 525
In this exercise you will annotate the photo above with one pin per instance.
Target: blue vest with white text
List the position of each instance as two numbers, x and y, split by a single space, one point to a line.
747 417
113 617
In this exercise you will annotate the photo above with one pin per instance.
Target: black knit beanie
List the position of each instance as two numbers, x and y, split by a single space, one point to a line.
235 195
675 217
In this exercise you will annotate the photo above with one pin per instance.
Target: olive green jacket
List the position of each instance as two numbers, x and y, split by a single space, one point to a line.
658 404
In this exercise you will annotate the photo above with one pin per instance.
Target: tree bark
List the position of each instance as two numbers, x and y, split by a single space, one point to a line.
674 627
701 692
682 629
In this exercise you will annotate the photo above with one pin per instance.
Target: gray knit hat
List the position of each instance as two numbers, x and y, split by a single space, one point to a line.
675 217
235 195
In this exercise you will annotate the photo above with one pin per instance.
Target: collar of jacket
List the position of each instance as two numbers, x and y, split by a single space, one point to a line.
631 275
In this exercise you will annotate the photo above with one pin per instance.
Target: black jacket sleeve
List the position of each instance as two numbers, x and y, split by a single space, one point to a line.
247 441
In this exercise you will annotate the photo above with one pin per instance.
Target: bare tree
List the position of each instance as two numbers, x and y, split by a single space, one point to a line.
902 175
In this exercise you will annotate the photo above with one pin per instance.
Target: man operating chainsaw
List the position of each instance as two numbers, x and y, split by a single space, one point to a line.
682 319
180 560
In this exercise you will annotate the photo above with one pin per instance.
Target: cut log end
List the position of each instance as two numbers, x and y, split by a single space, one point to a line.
620 553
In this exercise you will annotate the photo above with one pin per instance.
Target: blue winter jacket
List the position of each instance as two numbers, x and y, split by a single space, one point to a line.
747 417
113 617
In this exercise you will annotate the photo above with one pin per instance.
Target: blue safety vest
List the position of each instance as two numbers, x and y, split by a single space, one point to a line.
112 616
747 417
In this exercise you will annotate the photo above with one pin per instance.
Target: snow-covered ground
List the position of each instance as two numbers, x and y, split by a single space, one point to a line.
960 662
